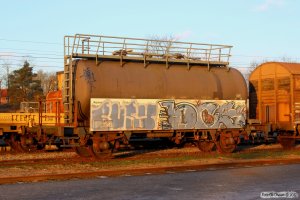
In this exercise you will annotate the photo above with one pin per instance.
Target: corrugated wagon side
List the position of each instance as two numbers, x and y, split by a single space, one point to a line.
275 99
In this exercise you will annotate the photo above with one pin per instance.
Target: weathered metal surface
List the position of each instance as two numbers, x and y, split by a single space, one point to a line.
228 141
157 114
275 94
133 81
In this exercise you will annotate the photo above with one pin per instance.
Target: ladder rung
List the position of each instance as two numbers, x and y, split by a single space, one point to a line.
69 66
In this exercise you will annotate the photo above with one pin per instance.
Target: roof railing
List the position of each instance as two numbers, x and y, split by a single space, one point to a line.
124 48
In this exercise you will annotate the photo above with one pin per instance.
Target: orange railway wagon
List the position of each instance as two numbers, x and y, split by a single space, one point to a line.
274 94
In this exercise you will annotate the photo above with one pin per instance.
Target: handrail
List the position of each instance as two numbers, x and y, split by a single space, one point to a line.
99 45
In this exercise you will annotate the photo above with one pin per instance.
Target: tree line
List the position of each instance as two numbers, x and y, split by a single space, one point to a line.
26 86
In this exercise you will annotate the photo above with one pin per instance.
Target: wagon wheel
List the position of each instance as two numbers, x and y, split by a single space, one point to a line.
84 151
226 144
7 146
14 142
101 149
206 146
287 143
84 148
27 143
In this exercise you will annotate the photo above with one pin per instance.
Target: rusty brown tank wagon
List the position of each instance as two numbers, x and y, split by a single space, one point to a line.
119 91
274 94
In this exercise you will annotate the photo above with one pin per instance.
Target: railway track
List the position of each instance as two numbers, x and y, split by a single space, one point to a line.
46 161
18 167
61 158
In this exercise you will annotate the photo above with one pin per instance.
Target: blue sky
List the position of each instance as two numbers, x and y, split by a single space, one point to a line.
258 29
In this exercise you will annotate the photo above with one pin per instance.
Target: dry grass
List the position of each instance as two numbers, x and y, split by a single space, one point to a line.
161 158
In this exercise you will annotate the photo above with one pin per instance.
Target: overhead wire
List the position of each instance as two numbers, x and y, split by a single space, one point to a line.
29 56
61 44
30 41
47 52
49 56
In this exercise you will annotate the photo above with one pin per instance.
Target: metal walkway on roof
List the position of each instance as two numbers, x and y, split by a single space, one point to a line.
100 47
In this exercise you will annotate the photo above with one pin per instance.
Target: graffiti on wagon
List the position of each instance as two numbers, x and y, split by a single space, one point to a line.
156 114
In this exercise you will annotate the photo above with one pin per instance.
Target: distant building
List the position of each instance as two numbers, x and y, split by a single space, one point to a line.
60 80
54 103
3 96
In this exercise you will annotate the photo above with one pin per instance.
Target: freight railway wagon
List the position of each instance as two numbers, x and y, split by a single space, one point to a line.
274 96
13 128
118 91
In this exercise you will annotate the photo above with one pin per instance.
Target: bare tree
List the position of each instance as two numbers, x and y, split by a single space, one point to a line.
48 81
5 73
287 59
161 44
253 65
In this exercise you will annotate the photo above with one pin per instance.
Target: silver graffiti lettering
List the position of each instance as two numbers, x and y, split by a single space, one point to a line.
173 116
152 114
124 115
